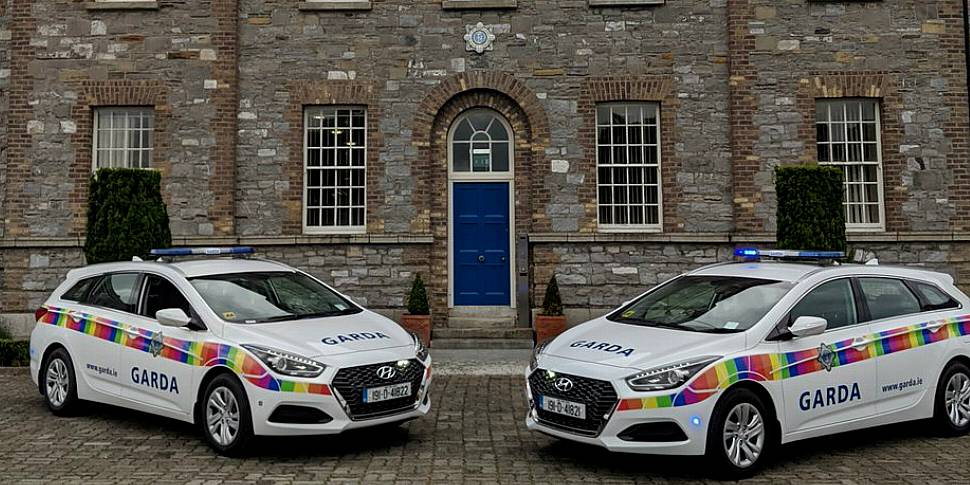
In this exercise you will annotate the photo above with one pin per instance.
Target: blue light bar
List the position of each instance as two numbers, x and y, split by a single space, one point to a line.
203 251
787 254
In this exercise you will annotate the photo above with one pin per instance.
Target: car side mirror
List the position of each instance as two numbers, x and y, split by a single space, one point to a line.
173 317
807 326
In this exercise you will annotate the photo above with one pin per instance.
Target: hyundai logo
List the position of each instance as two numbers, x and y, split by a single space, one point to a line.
386 372
563 384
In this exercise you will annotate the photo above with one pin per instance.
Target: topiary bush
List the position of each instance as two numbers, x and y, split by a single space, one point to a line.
418 298
552 302
14 353
126 215
810 210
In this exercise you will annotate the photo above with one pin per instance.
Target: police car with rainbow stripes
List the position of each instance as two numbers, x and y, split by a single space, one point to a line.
241 347
731 360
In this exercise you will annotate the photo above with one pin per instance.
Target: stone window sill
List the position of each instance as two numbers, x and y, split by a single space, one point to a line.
624 3
336 5
477 4
121 5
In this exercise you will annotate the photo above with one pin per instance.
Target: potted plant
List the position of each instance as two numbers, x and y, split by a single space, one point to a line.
550 321
418 316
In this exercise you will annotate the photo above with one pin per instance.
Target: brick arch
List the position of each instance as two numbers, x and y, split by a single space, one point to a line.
435 115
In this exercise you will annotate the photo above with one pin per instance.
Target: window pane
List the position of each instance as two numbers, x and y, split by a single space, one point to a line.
832 301
500 157
116 291
123 137
341 135
847 136
888 297
625 148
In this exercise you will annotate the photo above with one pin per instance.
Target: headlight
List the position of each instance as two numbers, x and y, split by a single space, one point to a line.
534 363
669 376
419 349
286 363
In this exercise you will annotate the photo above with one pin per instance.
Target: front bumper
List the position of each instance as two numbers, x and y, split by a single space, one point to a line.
692 419
263 404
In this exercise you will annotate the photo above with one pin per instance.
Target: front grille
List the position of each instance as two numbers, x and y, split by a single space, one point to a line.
598 396
352 381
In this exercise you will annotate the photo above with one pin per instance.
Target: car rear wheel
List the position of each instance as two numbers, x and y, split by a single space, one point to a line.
59 384
225 417
740 435
952 413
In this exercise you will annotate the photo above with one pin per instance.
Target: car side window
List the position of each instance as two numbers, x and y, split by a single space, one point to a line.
832 301
160 294
80 289
888 297
117 291
933 297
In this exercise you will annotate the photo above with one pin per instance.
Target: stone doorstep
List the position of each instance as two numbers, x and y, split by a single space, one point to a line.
480 344
481 333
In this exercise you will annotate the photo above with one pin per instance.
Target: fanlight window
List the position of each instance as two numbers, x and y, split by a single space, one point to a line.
480 142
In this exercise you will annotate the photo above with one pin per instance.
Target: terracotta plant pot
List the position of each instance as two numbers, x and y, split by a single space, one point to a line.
548 327
419 324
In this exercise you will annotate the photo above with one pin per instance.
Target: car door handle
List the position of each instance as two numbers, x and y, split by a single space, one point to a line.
860 343
132 331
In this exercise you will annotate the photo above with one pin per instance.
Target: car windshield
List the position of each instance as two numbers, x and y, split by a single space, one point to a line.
269 297
714 304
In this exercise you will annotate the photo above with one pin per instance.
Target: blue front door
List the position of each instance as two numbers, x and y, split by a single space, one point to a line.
481 244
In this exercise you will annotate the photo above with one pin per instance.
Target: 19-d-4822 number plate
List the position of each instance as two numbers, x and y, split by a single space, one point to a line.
386 393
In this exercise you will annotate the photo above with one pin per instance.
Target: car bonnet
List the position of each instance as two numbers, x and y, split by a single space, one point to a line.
602 341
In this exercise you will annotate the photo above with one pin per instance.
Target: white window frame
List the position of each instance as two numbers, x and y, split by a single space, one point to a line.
880 190
335 229
96 118
631 228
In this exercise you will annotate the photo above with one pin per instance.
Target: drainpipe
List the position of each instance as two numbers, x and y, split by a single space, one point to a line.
966 42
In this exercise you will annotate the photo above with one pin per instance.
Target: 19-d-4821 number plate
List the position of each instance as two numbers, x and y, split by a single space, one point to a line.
563 407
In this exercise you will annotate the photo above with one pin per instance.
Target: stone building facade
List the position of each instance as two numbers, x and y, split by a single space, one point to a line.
640 136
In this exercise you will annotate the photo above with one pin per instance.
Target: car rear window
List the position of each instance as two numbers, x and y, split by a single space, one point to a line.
80 289
933 297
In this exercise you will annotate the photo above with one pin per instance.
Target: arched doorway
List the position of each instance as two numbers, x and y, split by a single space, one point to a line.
481 222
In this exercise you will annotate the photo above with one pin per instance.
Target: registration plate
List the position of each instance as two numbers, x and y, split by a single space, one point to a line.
563 407
386 393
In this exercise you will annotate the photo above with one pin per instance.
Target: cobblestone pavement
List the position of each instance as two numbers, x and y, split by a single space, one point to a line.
475 434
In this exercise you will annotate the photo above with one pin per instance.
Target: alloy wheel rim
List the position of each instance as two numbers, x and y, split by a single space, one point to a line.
57 382
222 416
958 399
744 435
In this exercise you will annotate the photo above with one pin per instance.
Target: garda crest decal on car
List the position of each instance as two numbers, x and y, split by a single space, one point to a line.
603 346
826 357
156 345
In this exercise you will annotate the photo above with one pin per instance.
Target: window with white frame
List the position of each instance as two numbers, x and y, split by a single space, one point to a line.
335 165
123 137
848 136
628 166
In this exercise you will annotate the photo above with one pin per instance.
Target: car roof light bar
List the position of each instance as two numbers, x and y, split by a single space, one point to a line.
751 253
230 250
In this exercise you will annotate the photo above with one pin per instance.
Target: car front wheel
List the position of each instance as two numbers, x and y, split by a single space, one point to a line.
59 384
952 413
740 435
225 418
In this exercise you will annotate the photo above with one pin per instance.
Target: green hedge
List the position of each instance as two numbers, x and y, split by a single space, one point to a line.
810 210
417 303
14 353
126 215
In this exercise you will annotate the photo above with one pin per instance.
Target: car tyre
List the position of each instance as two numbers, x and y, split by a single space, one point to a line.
740 435
59 384
952 408
225 418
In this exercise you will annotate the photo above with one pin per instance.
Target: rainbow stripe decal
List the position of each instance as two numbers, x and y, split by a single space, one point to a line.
204 354
776 367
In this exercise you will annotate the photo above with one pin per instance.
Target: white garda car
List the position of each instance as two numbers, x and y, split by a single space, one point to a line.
241 347
731 360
